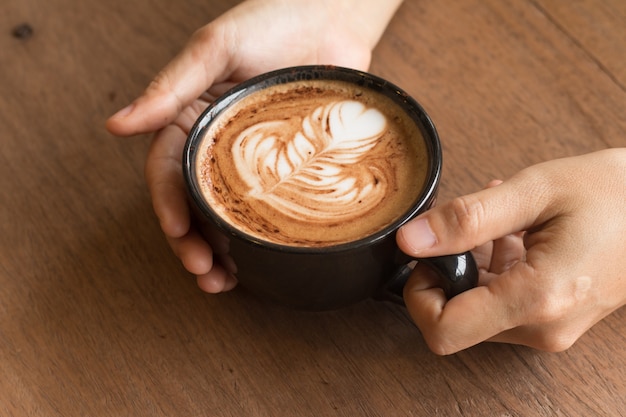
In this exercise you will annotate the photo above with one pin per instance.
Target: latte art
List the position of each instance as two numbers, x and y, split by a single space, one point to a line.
311 163
311 176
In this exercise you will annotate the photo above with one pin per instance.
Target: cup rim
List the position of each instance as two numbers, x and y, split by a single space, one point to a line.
312 72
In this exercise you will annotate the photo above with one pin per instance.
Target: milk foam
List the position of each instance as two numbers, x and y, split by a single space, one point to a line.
312 163
314 175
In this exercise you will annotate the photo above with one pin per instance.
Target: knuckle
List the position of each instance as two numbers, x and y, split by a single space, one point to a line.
541 302
161 85
161 82
441 339
548 309
438 345
556 341
467 214
203 36
198 43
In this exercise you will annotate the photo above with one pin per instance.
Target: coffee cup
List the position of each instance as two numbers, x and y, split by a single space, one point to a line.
301 177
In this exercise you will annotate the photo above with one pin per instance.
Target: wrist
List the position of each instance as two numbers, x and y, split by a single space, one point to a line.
367 18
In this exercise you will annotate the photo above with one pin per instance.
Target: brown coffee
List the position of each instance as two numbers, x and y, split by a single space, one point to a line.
312 163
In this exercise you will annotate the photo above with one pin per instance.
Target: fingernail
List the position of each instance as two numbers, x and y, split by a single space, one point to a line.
418 235
124 112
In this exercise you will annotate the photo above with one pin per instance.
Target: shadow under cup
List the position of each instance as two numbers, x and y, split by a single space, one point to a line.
328 277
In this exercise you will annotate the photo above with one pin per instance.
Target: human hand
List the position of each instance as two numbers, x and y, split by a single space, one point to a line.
543 288
254 37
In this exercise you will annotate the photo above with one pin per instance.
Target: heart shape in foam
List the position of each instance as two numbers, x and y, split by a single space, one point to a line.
319 172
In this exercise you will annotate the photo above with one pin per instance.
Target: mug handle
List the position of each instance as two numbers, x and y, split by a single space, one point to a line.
455 273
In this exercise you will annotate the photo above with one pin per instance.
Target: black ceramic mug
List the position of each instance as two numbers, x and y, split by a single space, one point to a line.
314 276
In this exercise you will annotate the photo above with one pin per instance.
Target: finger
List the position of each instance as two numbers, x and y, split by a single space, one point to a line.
547 337
493 183
556 315
217 280
219 89
194 252
474 316
507 251
475 219
482 256
204 60
423 277
531 336
164 177
483 253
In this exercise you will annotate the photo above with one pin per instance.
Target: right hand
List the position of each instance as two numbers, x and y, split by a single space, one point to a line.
550 250
252 38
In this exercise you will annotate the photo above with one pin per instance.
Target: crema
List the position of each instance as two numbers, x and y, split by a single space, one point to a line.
312 163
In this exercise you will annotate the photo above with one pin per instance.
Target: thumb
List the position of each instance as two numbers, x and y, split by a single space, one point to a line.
475 219
204 59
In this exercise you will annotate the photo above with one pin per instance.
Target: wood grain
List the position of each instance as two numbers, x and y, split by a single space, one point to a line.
97 316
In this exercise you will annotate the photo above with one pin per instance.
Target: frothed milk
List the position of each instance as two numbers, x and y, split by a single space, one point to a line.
312 163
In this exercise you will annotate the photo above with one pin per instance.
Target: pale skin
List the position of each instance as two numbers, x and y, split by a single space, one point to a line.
249 39
549 241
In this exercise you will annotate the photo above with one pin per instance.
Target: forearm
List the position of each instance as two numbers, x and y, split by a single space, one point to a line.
369 17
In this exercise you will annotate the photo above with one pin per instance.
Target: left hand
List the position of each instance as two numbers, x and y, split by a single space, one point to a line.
255 36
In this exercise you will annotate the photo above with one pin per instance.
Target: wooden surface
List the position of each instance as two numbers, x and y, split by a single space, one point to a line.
97 316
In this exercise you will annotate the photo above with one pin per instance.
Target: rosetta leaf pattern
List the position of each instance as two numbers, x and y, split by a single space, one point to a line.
317 173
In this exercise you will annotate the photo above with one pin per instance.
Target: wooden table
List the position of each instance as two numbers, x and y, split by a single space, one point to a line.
98 317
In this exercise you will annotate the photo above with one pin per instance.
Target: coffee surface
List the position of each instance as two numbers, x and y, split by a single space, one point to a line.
312 163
